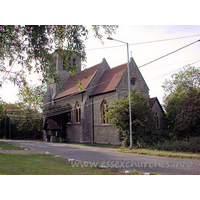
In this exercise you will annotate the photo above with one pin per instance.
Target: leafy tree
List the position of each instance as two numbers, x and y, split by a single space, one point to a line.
28 49
32 96
28 123
172 104
177 91
31 48
188 117
187 77
24 122
143 123
2 112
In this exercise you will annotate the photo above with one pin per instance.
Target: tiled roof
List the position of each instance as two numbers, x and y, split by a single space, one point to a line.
71 85
109 80
52 124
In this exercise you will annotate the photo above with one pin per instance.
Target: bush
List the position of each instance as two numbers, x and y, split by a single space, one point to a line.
190 145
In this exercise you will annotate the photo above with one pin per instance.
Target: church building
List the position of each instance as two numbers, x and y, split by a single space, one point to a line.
75 115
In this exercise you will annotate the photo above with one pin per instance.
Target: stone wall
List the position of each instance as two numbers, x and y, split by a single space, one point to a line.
140 83
157 109
104 133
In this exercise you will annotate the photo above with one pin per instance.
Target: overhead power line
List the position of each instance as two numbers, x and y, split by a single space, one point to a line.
147 42
169 53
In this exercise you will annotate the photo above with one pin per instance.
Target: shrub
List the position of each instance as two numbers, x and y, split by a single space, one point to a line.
190 145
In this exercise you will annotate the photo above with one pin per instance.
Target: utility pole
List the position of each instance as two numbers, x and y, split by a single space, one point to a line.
5 124
129 90
9 127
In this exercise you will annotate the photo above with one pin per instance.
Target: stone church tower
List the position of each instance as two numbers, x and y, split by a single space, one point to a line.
63 73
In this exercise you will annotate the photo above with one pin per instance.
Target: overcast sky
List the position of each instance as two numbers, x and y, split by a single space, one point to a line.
155 73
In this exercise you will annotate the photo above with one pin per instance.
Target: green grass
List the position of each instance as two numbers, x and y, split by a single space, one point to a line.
6 146
161 153
42 164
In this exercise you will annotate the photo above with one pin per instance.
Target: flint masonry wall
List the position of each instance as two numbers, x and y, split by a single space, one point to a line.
140 83
156 109
104 133
75 130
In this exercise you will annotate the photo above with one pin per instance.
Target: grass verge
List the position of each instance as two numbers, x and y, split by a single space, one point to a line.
6 146
160 153
42 164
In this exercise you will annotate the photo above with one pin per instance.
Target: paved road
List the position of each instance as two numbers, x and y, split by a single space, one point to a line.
112 158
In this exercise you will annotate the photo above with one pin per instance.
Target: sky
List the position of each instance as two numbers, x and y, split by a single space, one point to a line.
156 72
116 53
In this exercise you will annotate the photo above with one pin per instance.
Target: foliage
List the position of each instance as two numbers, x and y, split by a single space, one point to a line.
28 123
190 145
172 104
31 48
143 124
182 103
2 110
24 122
188 117
187 77
28 49
32 96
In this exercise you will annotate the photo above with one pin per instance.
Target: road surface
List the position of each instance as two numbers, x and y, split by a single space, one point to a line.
110 157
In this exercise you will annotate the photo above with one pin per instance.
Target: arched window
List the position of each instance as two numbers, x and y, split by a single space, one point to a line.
78 112
64 65
69 60
104 105
156 116
74 61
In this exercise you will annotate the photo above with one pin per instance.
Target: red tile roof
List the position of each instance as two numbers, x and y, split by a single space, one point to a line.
52 124
109 80
71 85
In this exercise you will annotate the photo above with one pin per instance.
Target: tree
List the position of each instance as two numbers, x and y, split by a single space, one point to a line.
28 123
32 96
31 48
143 123
28 49
20 121
178 91
187 121
172 103
187 77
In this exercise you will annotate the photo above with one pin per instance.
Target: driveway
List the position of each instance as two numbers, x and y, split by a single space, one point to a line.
84 156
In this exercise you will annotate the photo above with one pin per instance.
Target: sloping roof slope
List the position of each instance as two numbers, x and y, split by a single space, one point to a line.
71 85
109 80
52 124
152 101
